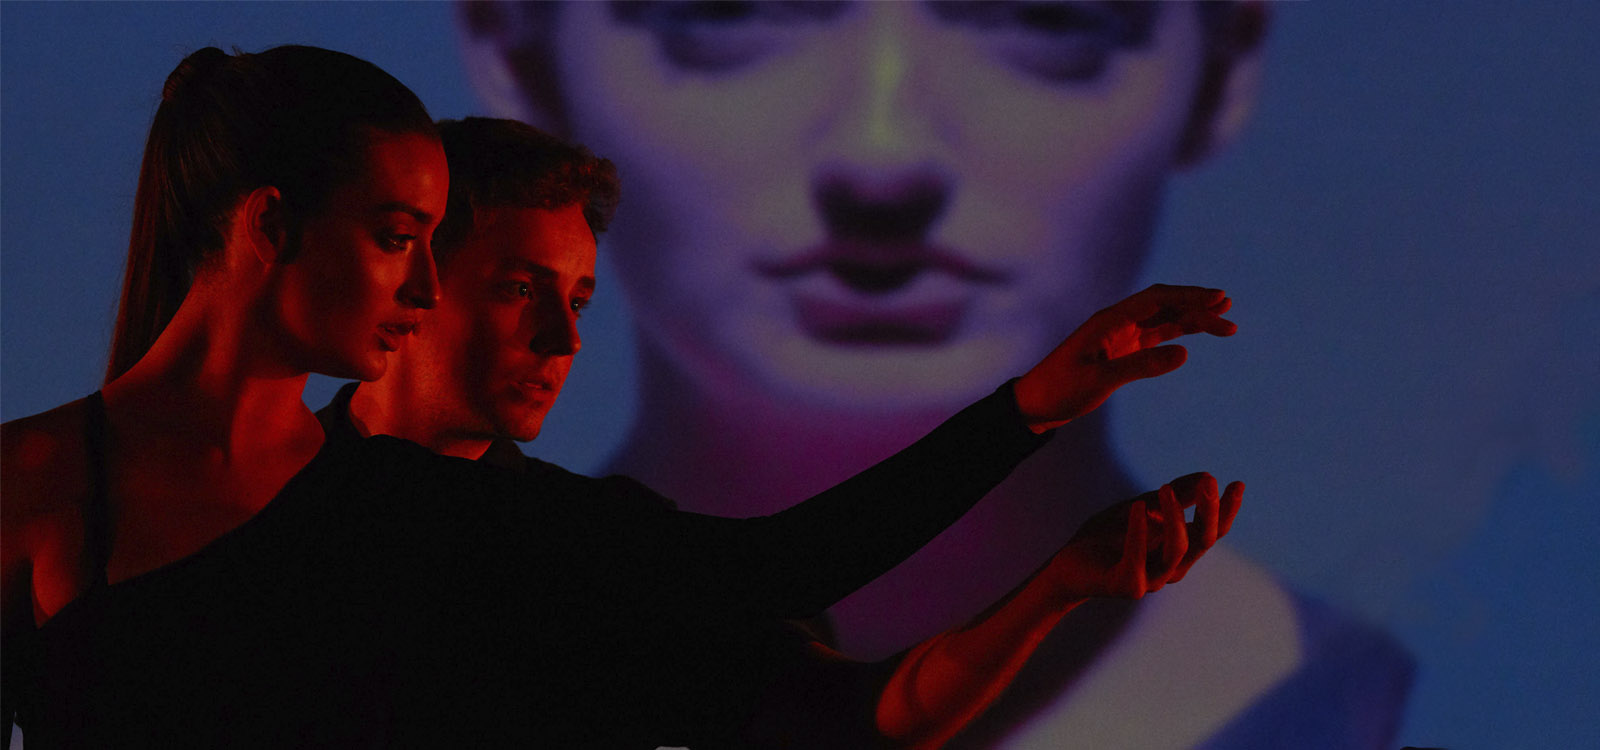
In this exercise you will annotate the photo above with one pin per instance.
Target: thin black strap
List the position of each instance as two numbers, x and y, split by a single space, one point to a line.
96 513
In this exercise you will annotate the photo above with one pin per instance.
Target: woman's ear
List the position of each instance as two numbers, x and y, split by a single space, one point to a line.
507 49
1230 82
265 225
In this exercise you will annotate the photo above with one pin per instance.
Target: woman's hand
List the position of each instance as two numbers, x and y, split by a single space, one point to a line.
1139 545
1116 346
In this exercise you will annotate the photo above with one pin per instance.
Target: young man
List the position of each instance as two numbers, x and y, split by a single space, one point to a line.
516 254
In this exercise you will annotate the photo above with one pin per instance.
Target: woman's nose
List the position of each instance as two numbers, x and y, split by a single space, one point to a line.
421 288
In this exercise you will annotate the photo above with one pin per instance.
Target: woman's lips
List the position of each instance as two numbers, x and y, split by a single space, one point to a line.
393 333
880 295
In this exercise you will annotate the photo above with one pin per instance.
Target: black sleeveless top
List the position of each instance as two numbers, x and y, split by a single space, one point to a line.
389 597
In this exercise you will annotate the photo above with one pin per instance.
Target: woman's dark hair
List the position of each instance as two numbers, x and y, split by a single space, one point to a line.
295 118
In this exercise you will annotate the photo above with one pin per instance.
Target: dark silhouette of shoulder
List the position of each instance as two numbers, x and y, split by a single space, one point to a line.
626 493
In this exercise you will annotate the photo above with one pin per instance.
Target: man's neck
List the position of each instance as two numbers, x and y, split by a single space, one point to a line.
387 407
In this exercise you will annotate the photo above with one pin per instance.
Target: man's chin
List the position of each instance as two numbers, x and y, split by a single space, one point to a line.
521 430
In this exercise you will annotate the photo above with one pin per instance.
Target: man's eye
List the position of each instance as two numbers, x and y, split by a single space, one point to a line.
515 290
722 35
578 306
396 243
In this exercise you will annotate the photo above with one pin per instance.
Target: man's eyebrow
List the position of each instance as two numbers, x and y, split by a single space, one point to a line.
543 272
405 208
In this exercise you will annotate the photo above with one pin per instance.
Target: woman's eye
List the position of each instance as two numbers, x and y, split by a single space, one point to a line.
722 35
396 243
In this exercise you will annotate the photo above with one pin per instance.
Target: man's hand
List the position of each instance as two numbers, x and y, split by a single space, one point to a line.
1139 545
1125 551
1116 346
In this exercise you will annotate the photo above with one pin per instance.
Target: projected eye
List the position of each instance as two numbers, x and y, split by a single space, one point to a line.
1058 42
714 36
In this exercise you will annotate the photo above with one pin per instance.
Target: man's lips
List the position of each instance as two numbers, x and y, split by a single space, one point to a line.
537 379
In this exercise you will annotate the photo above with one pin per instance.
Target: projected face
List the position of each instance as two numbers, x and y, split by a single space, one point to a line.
880 204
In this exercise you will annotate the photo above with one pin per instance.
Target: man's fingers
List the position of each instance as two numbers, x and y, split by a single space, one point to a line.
1147 363
1127 577
1191 487
1174 538
1232 498
1203 531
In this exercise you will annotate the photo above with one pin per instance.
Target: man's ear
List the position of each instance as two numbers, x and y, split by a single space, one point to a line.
265 225
1230 82
508 51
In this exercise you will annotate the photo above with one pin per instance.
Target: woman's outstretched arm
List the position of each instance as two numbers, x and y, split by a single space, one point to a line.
795 563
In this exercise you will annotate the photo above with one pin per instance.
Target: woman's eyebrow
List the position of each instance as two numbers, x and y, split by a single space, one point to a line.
405 208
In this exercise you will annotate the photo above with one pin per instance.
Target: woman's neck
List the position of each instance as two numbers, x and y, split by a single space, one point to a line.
201 434
212 378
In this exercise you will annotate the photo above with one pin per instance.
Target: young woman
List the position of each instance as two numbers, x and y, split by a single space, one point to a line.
187 562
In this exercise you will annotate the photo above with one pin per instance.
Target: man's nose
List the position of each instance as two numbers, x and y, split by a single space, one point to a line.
556 331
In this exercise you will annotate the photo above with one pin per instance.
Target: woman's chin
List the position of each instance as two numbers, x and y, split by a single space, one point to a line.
365 368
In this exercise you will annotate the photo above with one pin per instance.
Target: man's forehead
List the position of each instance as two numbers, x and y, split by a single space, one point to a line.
513 237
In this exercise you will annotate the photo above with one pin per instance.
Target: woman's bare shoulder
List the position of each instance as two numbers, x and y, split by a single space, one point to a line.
44 462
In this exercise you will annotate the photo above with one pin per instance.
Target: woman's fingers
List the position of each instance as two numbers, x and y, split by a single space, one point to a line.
1152 300
1147 363
1171 322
